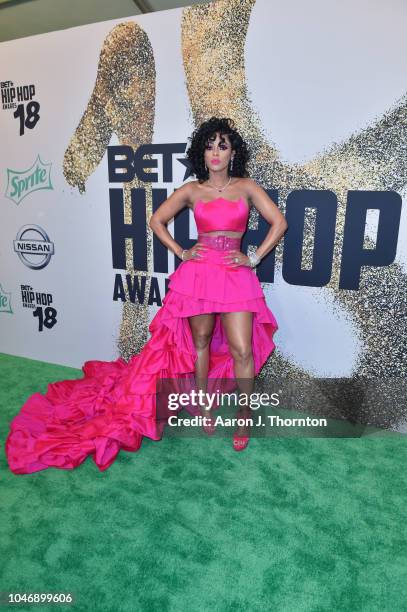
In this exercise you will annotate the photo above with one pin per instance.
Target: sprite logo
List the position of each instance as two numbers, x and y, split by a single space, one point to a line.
5 301
20 184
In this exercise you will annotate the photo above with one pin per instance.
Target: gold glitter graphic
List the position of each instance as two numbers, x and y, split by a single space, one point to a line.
213 52
213 43
123 103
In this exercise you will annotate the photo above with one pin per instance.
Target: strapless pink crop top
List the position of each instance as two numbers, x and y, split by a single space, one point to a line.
221 214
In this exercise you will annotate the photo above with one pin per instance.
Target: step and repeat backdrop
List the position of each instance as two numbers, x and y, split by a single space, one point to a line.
94 125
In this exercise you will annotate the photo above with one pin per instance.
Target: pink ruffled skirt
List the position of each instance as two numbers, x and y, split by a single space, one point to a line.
115 404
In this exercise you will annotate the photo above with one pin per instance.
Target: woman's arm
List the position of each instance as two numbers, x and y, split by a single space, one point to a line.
164 213
270 211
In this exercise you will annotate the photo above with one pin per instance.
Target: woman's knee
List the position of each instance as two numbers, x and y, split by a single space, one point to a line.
241 353
202 338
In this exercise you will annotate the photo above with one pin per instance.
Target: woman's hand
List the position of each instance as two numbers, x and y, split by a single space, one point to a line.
195 252
236 258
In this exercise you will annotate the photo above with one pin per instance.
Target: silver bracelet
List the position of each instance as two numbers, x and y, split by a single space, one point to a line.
254 259
182 254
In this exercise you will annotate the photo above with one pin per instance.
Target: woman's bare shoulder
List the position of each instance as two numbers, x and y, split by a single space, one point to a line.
247 186
184 192
193 192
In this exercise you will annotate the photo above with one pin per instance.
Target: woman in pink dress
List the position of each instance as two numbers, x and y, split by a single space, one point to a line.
219 279
214 324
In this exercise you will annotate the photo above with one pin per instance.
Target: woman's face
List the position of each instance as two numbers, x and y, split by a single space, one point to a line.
218 152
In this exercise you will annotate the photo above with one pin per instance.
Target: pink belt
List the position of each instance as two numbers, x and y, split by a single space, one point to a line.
221 243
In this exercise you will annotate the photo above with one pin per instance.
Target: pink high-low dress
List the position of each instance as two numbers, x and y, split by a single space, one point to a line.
115 404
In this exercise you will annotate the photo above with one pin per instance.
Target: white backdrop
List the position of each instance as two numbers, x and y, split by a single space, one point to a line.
316 74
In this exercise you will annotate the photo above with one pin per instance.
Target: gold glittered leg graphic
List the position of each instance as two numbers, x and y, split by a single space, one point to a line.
122 103
213 45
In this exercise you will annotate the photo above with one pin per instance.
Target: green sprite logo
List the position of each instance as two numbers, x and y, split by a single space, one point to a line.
20 184
5 301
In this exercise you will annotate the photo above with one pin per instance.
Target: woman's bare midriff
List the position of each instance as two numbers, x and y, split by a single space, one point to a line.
225 233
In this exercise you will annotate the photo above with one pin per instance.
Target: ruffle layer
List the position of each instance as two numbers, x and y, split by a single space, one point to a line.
115 404
209 279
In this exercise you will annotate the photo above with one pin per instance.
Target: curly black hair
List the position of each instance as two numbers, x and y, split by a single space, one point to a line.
199 140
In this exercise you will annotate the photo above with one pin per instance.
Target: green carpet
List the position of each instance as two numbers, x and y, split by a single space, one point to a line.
289 524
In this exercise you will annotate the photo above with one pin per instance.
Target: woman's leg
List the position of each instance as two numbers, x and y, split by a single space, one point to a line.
238 327
202 329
